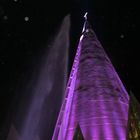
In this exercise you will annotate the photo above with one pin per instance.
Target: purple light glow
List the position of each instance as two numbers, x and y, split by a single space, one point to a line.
35 109
97 99
60 132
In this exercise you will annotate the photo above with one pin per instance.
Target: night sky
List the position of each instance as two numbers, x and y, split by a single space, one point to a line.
26 26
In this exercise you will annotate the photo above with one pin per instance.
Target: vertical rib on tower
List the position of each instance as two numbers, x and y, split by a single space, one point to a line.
96 99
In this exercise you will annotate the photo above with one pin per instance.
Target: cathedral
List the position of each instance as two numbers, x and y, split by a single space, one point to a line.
96 104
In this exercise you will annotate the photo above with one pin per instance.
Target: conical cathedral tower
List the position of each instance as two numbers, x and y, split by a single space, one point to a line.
95 100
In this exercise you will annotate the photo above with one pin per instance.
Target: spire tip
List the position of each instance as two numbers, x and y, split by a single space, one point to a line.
85 16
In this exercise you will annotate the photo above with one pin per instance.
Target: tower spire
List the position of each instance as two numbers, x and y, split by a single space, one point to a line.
95 99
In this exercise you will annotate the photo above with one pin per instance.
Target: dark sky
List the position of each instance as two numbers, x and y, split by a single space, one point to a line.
27 25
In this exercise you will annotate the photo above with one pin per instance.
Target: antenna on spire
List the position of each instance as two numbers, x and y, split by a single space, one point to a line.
87 26
85 16
85 23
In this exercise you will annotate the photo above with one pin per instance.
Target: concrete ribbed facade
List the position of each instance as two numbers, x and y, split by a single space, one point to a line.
96 99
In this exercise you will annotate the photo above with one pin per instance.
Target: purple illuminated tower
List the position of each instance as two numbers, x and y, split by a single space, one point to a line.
95 98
